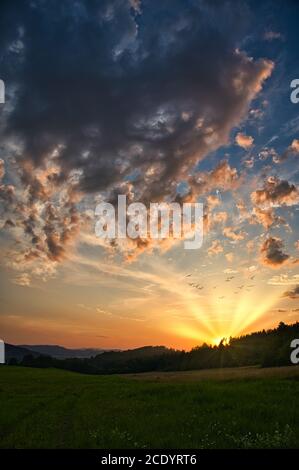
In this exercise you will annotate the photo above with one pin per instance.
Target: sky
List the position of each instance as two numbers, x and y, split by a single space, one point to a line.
173 101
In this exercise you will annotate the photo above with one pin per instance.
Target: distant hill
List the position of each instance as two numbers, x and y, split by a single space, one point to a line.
60 352
140 359
145 351
18 352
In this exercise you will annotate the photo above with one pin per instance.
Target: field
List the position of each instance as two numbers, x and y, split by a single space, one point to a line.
224 374
241 408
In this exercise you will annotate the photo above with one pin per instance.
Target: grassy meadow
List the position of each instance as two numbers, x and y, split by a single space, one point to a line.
243 408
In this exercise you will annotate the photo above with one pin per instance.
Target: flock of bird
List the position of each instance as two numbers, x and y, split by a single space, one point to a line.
197 286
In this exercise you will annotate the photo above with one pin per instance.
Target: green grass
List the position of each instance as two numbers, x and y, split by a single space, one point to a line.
45 408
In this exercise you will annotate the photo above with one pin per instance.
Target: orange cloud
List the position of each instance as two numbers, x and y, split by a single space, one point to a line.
215 248
265 217
276 192
244 141
229 233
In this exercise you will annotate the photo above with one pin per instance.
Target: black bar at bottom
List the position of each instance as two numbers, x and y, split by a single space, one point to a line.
40 458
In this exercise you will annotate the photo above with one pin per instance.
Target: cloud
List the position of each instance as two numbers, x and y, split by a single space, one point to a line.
112 99
249 162
211 220
292 294
256 113
250 245
223 177
284 280
136 4
252 268
230 233
220 217
295 146
215 248
102 311
272 253
44 217
243 212
229 257
265 217
267 152
276 192
230 271
271 35
291 151
129 102
22 280
244 141
213 201
2 169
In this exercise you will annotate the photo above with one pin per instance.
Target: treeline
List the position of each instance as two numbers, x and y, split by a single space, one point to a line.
265 348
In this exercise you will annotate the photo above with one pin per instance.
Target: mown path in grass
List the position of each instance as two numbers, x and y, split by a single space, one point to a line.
56 409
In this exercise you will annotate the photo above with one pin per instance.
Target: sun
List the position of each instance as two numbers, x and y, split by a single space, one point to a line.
223 339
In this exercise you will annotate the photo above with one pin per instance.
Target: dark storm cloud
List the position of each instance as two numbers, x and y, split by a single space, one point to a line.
118 97
272 252
119 88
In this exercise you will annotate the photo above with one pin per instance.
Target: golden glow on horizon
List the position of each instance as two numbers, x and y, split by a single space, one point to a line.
228 318
152 303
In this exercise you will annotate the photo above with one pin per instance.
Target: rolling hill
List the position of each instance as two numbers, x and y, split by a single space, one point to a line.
60 352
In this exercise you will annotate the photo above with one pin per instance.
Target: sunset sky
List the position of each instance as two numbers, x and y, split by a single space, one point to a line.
172 100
